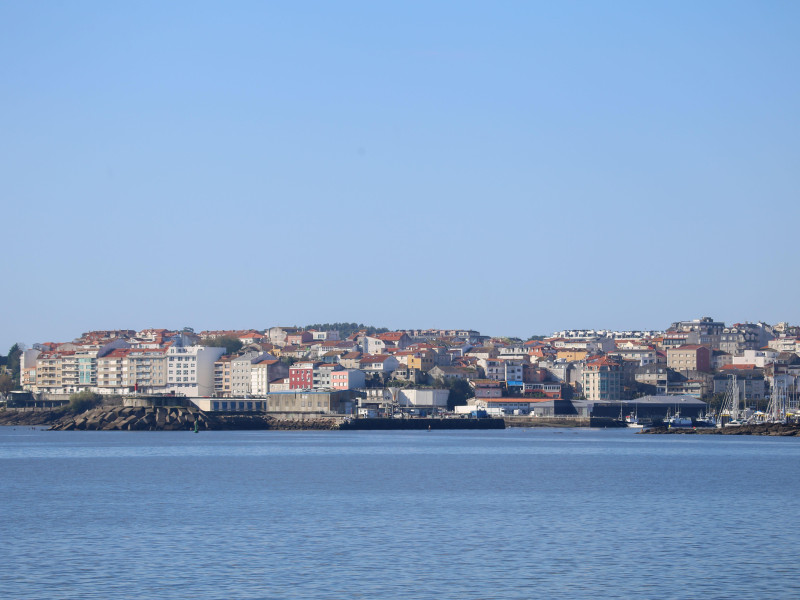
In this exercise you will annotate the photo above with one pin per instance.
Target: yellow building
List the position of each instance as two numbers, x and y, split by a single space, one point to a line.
422 361
571 355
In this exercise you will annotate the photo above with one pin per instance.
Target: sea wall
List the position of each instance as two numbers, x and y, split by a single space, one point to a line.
127 418
387 424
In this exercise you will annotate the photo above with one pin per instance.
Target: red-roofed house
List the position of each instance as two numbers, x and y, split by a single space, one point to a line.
378 363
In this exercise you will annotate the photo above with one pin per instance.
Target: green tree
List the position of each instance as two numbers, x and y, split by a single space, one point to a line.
6 383
460 391
83 401
231 344
13 360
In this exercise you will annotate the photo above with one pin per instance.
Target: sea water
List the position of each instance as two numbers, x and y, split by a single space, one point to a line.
518 513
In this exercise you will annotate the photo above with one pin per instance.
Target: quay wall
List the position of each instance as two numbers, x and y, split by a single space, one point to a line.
396 424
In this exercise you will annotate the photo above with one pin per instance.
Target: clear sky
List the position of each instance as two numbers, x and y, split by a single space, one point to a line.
512 167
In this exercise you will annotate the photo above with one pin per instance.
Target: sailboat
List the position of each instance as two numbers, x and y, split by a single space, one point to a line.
776 411
730 404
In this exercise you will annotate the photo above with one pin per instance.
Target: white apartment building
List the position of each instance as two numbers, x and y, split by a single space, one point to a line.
190 370
265 371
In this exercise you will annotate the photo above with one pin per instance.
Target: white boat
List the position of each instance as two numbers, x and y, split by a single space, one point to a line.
678 421
633 421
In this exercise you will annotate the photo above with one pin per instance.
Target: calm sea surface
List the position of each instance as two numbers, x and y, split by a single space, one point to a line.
520 513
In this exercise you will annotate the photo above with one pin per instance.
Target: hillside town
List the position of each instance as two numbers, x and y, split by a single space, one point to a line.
289 370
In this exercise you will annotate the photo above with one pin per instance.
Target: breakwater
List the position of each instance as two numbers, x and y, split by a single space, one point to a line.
118 418
772 429
180 418
32 417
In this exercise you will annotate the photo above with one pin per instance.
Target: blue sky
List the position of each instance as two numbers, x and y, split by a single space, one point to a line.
515 167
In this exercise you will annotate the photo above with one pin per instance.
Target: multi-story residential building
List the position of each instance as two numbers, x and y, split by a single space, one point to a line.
278 335
705 332
602 379
323 373
264 373
691 383
590 345
744 336
654 375
689 357
493 368
750 382
423 360
144 370
564 372
48 372
373 345
240 372
482 352
351 360
61 371
395 340
331 335
109 372
719 359
643 356
298 338
759 358
222 377
517 351
191 370
676 339
301 375
572 354
785 343
132 370
513 373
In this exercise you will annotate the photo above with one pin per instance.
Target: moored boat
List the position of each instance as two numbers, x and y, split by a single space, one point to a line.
633 421
679 422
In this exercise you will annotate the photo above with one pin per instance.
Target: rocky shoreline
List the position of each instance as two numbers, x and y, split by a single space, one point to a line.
120 418
772 429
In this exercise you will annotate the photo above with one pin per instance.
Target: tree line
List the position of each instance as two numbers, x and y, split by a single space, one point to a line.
10 369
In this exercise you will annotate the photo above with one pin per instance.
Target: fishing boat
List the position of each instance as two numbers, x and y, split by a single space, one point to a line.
705 421
633 421
679 422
